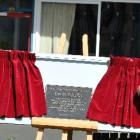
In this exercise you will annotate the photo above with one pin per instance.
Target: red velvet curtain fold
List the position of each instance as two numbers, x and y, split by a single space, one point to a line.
21 86
115 100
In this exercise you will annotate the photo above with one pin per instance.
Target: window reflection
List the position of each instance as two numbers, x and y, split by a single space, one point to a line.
6 33
14 33
16 5
15 24
85 23
120 30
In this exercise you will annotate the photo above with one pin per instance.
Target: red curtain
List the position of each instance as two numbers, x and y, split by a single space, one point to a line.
21 90
115 100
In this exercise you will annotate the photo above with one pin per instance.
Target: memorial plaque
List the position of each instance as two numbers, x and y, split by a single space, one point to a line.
67 101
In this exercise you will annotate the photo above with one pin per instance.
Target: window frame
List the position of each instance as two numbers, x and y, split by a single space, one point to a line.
35 44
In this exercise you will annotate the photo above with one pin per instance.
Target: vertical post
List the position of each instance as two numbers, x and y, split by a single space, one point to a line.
65 135
40 134
85 44
89 135
98 29
61 43
36 28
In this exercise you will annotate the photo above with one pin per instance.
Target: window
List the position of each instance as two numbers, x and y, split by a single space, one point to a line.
112 28
15 24
61 27
70 21
120 29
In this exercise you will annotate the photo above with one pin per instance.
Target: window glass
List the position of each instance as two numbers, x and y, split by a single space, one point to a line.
15 24
68 22
26 4
5 4
14 33
85 23
16 5
120 30
6 33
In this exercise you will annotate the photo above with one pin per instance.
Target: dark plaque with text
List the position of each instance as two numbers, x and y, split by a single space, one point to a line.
67 101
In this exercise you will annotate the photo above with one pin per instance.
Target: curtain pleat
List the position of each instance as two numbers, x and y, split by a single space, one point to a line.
21 90
115 100
6 91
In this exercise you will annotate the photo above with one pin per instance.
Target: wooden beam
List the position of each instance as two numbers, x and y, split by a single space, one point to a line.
65 135
70 124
